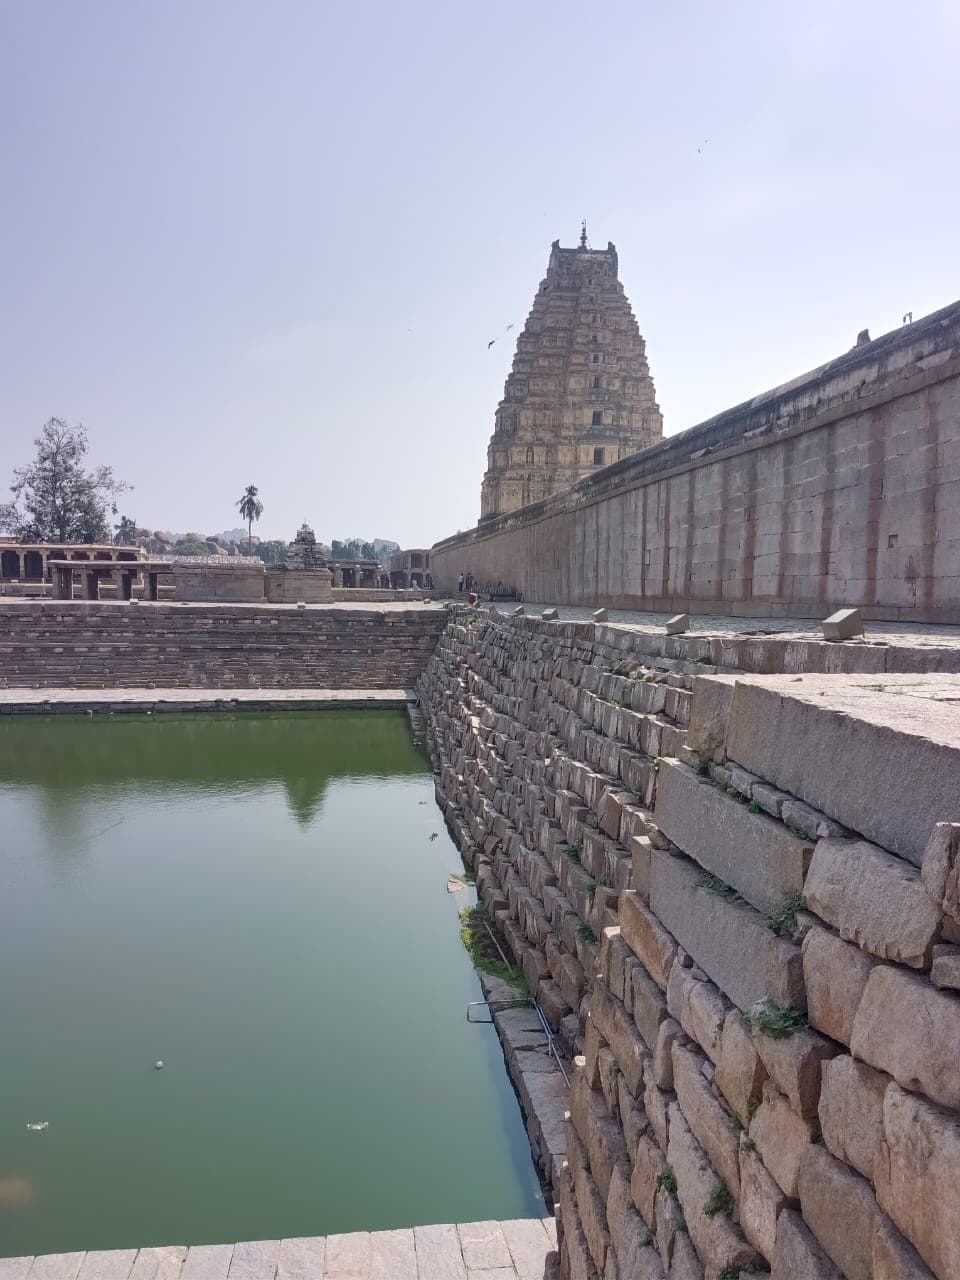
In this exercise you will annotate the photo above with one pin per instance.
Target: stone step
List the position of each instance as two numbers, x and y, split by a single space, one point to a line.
516 1249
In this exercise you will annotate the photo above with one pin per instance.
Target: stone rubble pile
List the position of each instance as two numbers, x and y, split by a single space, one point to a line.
761 1002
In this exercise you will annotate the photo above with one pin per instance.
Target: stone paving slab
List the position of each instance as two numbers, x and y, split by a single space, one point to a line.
483 1246
15 1268
80 701
512 1250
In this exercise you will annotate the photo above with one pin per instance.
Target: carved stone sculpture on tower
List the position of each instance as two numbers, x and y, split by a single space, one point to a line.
579 396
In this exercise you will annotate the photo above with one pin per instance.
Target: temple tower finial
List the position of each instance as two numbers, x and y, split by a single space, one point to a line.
583 234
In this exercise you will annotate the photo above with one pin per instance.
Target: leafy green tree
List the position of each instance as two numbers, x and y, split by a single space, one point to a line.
126 534
273 552
251 508
190 547
352 549
54 498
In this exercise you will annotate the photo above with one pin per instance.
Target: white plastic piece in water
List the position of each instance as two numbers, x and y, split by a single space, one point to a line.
39 1124
159 1065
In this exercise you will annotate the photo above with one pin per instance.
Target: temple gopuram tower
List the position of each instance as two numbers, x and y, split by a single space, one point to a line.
579 395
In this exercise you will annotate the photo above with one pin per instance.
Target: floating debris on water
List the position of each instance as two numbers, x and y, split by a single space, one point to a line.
39 1124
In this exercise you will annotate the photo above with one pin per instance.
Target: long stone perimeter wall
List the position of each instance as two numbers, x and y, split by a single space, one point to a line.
841 488
736 898
91 646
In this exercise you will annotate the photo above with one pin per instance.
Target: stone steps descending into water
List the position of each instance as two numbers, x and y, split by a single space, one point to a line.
513 1250
98 644
112 701
735 898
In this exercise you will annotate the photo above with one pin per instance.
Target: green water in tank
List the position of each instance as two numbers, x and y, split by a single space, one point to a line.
256 901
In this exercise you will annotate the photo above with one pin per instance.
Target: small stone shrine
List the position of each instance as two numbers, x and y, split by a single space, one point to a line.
303 574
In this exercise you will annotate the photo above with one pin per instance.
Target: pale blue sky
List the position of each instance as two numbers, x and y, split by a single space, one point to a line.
268 242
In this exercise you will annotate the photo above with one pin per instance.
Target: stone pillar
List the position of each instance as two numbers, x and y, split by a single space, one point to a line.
93 585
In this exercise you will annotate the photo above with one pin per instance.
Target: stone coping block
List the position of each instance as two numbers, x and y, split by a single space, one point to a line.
873 899
907 1028
797 1255
843 625
729 940
851 1112
840 744
758 856
835 975
917 1175
714 1236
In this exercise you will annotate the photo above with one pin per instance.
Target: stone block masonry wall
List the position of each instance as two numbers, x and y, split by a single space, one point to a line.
840 488
90 646
755 971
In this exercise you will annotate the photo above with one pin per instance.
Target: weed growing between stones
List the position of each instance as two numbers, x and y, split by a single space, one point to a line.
703 768
750 1147
667 1180
779 1024
460 880
753 807
706 880
573 851
752 1105
482 949
719 1201
586 934
784 919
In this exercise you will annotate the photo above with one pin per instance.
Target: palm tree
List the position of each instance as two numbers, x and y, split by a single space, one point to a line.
251 508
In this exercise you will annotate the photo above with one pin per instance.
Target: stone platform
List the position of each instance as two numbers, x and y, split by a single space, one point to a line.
511 1250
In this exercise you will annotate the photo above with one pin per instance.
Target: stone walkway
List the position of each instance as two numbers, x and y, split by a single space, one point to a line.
896 633
78 701
343 606
467 1251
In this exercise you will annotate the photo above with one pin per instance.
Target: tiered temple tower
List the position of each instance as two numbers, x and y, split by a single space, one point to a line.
580 395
